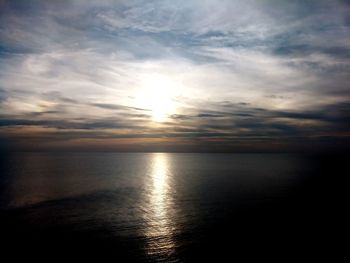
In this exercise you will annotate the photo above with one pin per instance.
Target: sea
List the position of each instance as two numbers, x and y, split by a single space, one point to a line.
172 207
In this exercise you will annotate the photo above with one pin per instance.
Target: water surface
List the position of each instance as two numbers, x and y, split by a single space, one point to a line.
164 207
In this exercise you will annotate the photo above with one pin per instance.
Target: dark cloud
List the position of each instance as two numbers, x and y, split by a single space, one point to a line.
2 95
208 115
61 124
116 107
241 122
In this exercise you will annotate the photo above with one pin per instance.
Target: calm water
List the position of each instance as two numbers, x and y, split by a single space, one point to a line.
162 207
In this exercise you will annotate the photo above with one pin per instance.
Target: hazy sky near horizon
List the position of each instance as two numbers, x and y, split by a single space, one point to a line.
174 75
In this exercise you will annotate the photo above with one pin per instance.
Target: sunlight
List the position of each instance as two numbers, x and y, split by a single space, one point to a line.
157 95
159 214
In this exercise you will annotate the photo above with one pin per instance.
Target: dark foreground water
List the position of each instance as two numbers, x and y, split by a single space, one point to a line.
163 207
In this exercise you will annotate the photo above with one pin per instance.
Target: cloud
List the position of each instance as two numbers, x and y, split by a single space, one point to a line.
234 70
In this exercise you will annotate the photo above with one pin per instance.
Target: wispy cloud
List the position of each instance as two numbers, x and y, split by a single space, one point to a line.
233 71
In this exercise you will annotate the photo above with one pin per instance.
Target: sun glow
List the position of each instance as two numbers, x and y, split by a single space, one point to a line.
157 95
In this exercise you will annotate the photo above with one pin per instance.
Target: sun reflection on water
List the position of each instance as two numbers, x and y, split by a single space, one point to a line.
160 228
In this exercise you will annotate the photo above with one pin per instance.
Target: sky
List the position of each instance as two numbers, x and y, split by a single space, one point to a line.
187 75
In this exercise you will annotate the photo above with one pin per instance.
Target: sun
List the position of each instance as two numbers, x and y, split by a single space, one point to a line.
157 96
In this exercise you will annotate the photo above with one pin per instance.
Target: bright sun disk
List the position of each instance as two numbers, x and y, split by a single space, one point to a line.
157 96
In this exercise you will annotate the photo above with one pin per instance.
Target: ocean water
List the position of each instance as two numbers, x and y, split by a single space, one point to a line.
170 207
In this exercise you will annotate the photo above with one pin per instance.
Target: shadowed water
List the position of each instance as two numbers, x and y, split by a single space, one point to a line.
165 207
